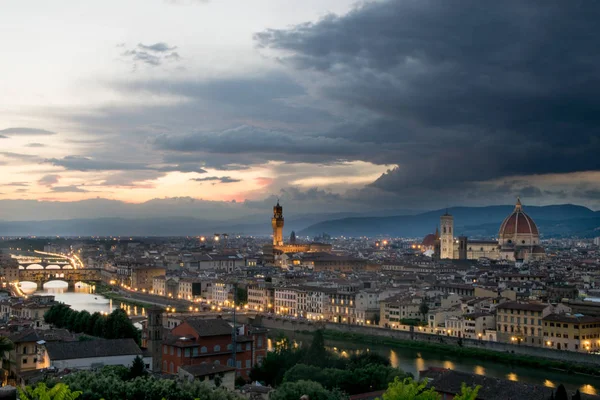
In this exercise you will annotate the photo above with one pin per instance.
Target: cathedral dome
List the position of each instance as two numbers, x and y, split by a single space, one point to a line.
429 240
518 229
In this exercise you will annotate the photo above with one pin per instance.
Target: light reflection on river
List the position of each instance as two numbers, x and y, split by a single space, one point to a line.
413 361
81 297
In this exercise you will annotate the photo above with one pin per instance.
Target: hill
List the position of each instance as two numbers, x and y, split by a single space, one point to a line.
555 220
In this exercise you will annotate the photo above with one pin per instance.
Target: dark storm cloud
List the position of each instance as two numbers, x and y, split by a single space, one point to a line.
25 132
222 179
271 144
471 90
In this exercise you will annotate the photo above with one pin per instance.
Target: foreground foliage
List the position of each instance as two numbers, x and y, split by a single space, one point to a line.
115 383
60 391
116 325
361 373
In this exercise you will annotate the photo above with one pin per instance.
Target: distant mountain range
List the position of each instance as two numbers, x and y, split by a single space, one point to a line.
553 221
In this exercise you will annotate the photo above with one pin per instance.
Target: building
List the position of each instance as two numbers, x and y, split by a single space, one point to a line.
522 322
222 293
152 335
261 297
219 262
28 354
142 276
322 261
447 383
286 300
215 375
367 307
573 332
518 239
397 308
277 223
198 341
471 326
9 269
90 354
447 236
279 248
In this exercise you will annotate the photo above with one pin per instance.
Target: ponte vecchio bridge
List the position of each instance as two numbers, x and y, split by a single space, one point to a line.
54 268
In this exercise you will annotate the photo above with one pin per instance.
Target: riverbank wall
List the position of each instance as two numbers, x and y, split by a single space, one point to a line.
382 334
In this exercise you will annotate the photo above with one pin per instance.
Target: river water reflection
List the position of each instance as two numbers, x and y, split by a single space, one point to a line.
413 361
81 297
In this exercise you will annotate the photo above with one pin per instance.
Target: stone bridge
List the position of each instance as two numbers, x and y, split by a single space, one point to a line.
71 276
45 263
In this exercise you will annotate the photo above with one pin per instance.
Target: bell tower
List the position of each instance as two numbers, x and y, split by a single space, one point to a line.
153 336
277 222
447 236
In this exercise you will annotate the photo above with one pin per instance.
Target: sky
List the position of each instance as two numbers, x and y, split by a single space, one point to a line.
329 105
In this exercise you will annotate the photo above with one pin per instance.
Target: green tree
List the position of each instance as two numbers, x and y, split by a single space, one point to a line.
317 353
60 391
366 358
424 308
561 393
138 368
81 321
241 295
314 391
89 329
467 393
408 389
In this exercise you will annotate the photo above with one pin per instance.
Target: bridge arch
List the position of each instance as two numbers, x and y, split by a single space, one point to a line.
34 266
53 266
55 283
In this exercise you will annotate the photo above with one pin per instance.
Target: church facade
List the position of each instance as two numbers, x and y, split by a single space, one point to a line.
518 239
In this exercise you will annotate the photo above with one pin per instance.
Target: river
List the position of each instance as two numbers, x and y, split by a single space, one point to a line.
80 298
413 361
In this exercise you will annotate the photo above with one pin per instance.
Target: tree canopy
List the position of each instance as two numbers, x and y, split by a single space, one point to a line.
116 325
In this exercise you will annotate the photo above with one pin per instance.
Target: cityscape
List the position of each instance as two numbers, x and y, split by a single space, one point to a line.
317 200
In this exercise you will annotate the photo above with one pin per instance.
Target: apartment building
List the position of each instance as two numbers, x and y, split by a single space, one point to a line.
286 300
522 322
572 332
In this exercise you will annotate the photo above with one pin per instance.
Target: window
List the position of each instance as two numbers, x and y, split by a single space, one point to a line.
187 352
165 350
25 361
178 352
248 364
248 346
230 362
24 349
217 362
172 350
260 342
217 348
165 366
203 349
172 368
238 364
